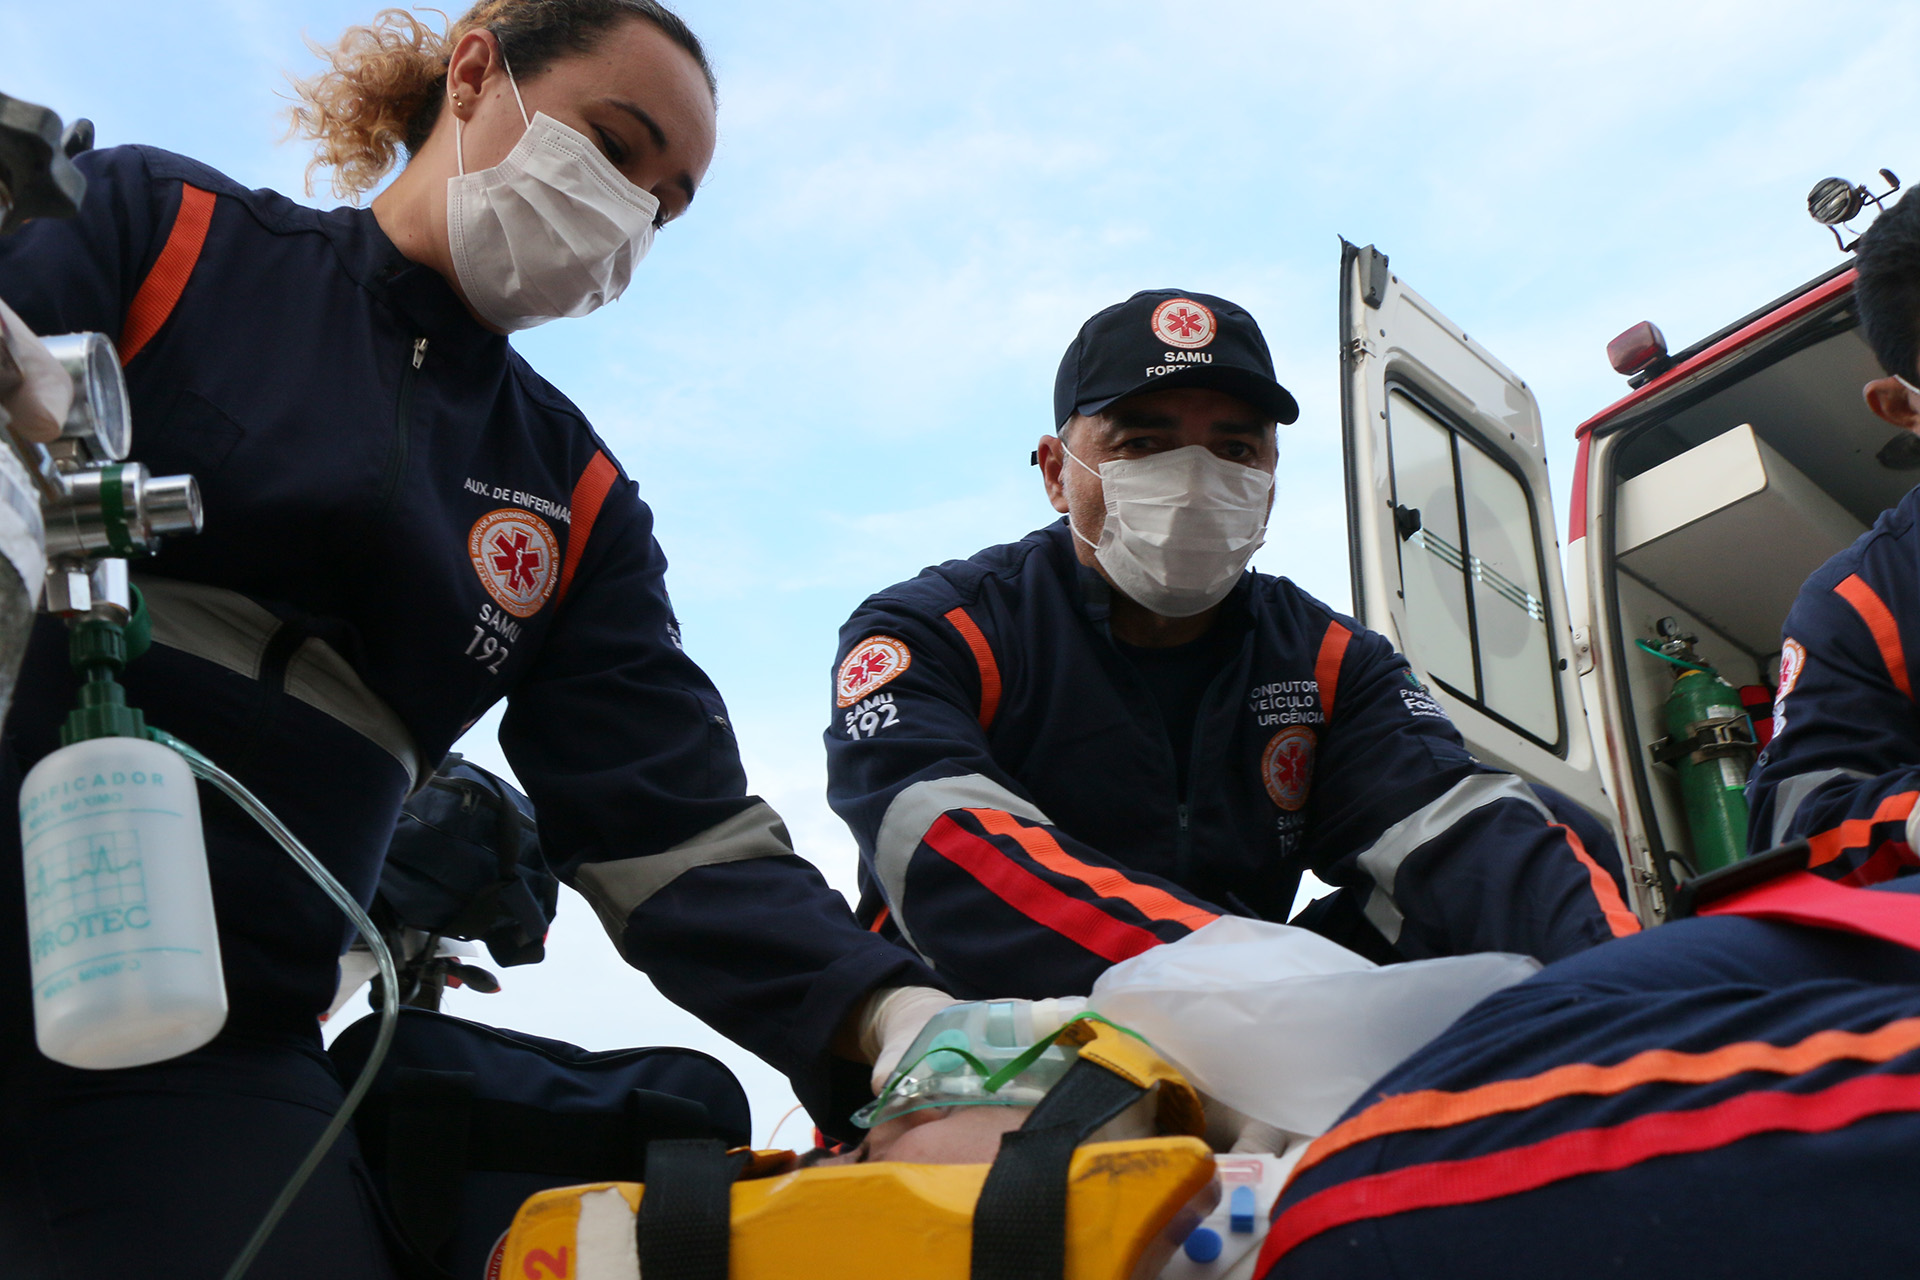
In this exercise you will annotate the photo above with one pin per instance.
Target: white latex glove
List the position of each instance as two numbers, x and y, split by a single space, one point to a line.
892 1018
35 392
1238 1133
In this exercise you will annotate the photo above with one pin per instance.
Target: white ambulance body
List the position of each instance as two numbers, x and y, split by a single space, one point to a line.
1707 495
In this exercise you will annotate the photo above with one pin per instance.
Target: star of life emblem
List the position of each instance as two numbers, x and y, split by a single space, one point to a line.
1182 322
1286 766
515 554
1793 660
873 662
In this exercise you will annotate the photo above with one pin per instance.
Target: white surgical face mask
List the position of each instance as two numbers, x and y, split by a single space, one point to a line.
552 230
1180 527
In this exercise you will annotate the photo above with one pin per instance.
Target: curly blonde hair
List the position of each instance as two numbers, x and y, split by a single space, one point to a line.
381 93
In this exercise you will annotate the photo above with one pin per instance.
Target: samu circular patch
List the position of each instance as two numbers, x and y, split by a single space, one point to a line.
515 554
1286 766
873 662
1182 322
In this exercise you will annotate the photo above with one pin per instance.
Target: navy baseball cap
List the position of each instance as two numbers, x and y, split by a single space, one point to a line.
1168 338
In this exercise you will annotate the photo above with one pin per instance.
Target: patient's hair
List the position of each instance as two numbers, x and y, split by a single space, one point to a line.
1887 291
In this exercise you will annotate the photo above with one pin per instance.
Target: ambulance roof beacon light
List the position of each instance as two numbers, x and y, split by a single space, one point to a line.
1834 202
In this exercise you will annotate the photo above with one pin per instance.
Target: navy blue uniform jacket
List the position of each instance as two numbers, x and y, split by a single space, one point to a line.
1843 769
1707 1099
394 498
1013 792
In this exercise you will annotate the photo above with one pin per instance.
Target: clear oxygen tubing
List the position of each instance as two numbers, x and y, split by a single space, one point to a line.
383 957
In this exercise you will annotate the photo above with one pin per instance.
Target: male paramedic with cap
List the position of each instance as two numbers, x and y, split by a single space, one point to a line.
1071 748
1843 768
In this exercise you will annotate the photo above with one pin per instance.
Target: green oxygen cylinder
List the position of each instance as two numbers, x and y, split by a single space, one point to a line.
1710 743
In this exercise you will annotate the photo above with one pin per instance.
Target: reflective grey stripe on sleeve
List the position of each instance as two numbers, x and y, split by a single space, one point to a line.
616 889
915 810
232 631
1383 858
1797 790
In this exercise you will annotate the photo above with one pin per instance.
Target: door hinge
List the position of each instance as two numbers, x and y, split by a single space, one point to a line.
1356 349
1373 276
1582 651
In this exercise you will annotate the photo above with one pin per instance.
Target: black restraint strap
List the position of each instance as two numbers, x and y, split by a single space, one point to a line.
686 1214
1020 1221
1690 895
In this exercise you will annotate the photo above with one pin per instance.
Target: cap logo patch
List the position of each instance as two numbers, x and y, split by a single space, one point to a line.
514 552
1184 323
874 661
1286 766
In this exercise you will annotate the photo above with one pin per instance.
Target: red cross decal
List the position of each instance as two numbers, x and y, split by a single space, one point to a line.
1184 323
1289 772
514 560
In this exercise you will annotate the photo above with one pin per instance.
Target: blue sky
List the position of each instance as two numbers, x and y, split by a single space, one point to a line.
831 372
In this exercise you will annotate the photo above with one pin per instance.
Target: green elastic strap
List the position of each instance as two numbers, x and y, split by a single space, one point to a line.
994 1081
1678 662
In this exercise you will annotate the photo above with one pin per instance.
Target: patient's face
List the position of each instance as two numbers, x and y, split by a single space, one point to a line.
942 1135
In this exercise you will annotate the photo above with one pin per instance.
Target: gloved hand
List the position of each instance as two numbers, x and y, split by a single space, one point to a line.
1236 1132
35 392
893 1016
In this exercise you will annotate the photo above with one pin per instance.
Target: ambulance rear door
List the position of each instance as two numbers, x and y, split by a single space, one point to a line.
1452 534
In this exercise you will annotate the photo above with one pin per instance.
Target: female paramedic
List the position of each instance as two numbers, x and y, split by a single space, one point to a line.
404 524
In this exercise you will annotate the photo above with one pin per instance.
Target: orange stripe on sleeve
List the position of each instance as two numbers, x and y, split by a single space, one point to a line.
167 279
1155 904
1827 845
1441 1109
589 491
1326 668
1879 619
983 658
1619 918
880 921
1604 1149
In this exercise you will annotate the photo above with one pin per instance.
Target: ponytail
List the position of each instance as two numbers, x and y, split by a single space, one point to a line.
382 91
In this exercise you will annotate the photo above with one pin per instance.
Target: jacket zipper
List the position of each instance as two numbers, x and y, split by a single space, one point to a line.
1183 846
1183 843
402 428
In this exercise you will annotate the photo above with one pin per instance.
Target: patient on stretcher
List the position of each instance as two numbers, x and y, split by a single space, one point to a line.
1276 1028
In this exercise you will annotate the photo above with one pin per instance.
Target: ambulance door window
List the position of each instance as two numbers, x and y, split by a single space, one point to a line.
1432 572
1470 572
1516 656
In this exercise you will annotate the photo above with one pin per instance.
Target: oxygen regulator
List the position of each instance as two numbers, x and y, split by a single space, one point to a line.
100 509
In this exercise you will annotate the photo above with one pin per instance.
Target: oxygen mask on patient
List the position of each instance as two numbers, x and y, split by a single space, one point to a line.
987 1053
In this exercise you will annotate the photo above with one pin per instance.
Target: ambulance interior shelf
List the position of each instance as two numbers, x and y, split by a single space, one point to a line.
1717 538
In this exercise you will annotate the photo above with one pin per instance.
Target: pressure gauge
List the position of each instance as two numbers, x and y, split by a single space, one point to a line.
100 418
